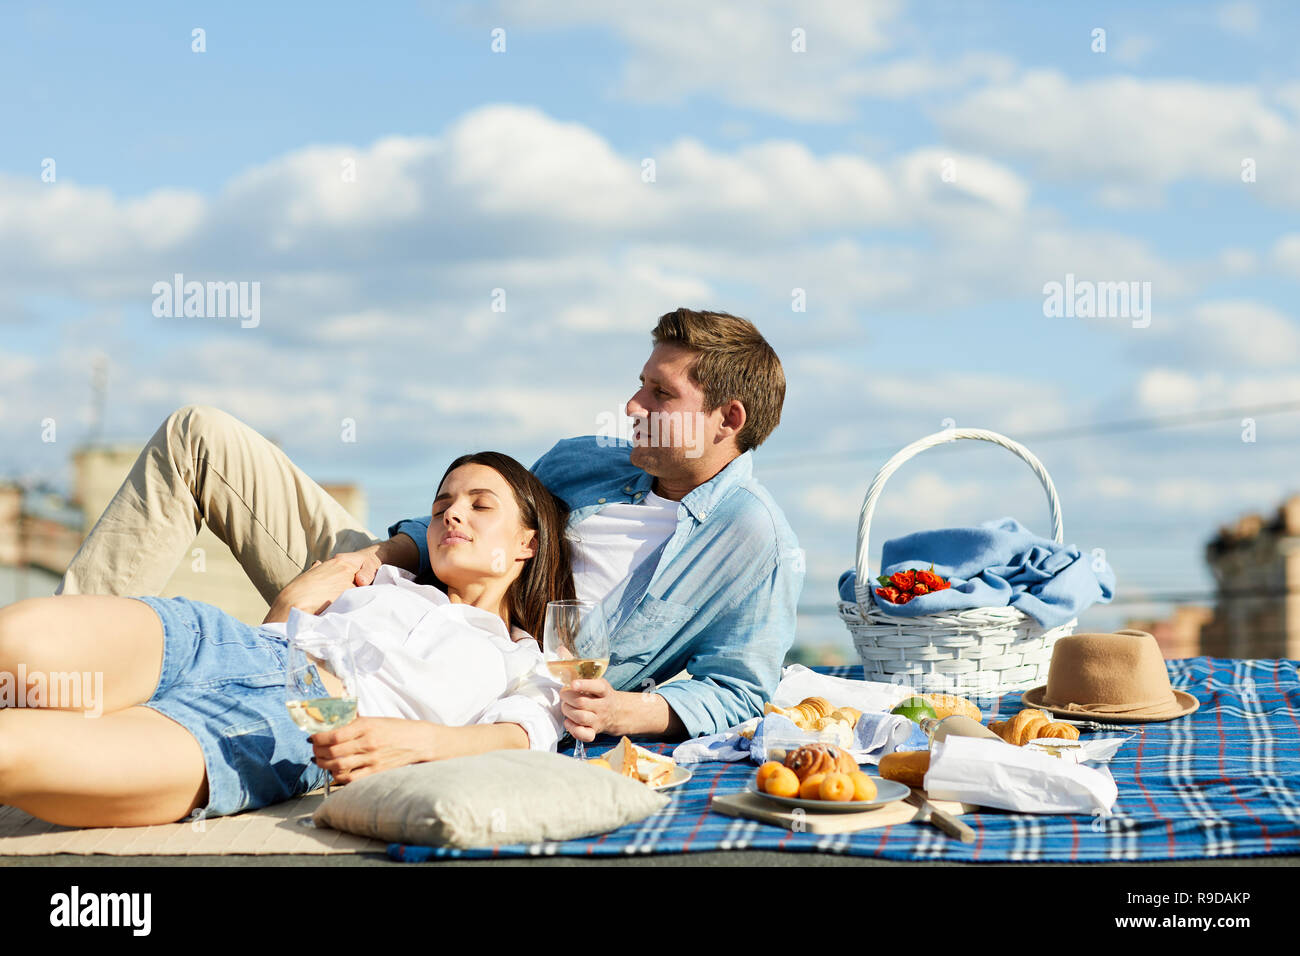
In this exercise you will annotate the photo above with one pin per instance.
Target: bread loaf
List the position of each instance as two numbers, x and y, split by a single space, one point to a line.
945 705
908 767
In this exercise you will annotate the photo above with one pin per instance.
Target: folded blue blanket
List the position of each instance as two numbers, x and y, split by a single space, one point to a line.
999 563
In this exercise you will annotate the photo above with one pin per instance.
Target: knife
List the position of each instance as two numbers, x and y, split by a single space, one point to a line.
1098 725
929 813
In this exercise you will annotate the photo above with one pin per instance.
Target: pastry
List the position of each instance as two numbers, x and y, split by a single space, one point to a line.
805 713
908 767
819 758
1031 725
1024 727
821 705
945 705
1059 730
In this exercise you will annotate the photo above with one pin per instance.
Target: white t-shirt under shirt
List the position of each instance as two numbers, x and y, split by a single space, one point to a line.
609 544
421 657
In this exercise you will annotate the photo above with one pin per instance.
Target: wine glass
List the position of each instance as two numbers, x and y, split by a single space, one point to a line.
576 646
320 684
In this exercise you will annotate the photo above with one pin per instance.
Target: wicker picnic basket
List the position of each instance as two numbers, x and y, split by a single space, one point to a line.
981 652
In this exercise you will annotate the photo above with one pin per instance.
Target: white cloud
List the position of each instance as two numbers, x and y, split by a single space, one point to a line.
1252 332
1172 390
1222 334
740 52
1131 134
1286 253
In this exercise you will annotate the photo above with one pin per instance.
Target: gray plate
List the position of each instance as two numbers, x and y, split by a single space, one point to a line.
887 792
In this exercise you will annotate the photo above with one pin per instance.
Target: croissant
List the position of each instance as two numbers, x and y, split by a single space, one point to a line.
821 705
806 713
1059 730
819 758
1026 726
1031 725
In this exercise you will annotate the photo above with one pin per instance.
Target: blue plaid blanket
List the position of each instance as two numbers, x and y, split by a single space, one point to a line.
1223 782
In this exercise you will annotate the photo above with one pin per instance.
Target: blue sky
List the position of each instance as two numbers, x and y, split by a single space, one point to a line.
822 170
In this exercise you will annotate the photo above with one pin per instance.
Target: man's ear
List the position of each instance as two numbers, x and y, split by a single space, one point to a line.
734 416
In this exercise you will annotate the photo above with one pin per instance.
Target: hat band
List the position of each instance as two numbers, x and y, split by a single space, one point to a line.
1152 706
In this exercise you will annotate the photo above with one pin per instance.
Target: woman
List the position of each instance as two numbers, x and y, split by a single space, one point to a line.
194 714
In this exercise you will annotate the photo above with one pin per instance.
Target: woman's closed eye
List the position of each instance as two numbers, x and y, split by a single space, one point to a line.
476 507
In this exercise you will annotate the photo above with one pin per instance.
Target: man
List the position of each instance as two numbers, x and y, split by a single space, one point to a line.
693 563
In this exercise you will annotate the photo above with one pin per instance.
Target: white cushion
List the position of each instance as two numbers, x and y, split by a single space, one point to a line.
507 796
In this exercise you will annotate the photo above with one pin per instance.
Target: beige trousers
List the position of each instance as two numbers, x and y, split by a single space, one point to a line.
203 465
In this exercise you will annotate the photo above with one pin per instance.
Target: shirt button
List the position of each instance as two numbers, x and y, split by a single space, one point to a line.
703 515
628 489
637 495
600 501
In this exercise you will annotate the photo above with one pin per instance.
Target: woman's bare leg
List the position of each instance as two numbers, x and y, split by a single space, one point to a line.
132 768
112 647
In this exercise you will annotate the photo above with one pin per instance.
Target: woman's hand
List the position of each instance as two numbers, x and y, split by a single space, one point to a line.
369 744
316 588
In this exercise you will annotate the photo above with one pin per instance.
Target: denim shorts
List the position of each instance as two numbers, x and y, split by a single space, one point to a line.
224 682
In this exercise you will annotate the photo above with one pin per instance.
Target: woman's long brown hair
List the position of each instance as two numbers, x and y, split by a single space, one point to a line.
548 574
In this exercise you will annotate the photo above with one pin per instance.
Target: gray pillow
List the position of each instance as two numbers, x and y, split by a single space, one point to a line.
508 796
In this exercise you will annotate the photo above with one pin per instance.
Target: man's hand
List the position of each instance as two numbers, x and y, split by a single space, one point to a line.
316 588
370 744
592 707
399 550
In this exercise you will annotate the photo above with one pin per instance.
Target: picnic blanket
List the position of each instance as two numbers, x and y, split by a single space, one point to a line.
1224 781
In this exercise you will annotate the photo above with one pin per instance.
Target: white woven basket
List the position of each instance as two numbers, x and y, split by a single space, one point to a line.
984 652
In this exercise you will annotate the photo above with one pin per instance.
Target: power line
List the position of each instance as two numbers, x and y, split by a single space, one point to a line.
1061 434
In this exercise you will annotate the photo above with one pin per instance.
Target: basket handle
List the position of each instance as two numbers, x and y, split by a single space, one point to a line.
864 587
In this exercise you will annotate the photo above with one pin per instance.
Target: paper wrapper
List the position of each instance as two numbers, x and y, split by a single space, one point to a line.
988 773
798 683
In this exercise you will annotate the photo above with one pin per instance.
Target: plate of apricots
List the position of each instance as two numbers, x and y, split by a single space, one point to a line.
825 779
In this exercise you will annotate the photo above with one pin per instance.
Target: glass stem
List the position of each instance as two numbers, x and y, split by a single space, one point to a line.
579 749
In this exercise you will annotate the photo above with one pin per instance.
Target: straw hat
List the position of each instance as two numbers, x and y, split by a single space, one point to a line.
1120 678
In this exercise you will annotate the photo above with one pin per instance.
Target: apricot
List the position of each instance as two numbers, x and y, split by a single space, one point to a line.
781 782
837 786
764 772
864 788
811 787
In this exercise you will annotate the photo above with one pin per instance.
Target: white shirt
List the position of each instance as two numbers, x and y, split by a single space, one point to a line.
421 657
609 544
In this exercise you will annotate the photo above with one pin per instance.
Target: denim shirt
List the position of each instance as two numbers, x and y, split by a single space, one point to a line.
718 598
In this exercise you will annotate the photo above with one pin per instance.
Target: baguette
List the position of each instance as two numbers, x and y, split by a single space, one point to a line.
908 767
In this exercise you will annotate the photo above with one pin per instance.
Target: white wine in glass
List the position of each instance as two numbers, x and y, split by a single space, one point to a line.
576 645
312 705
